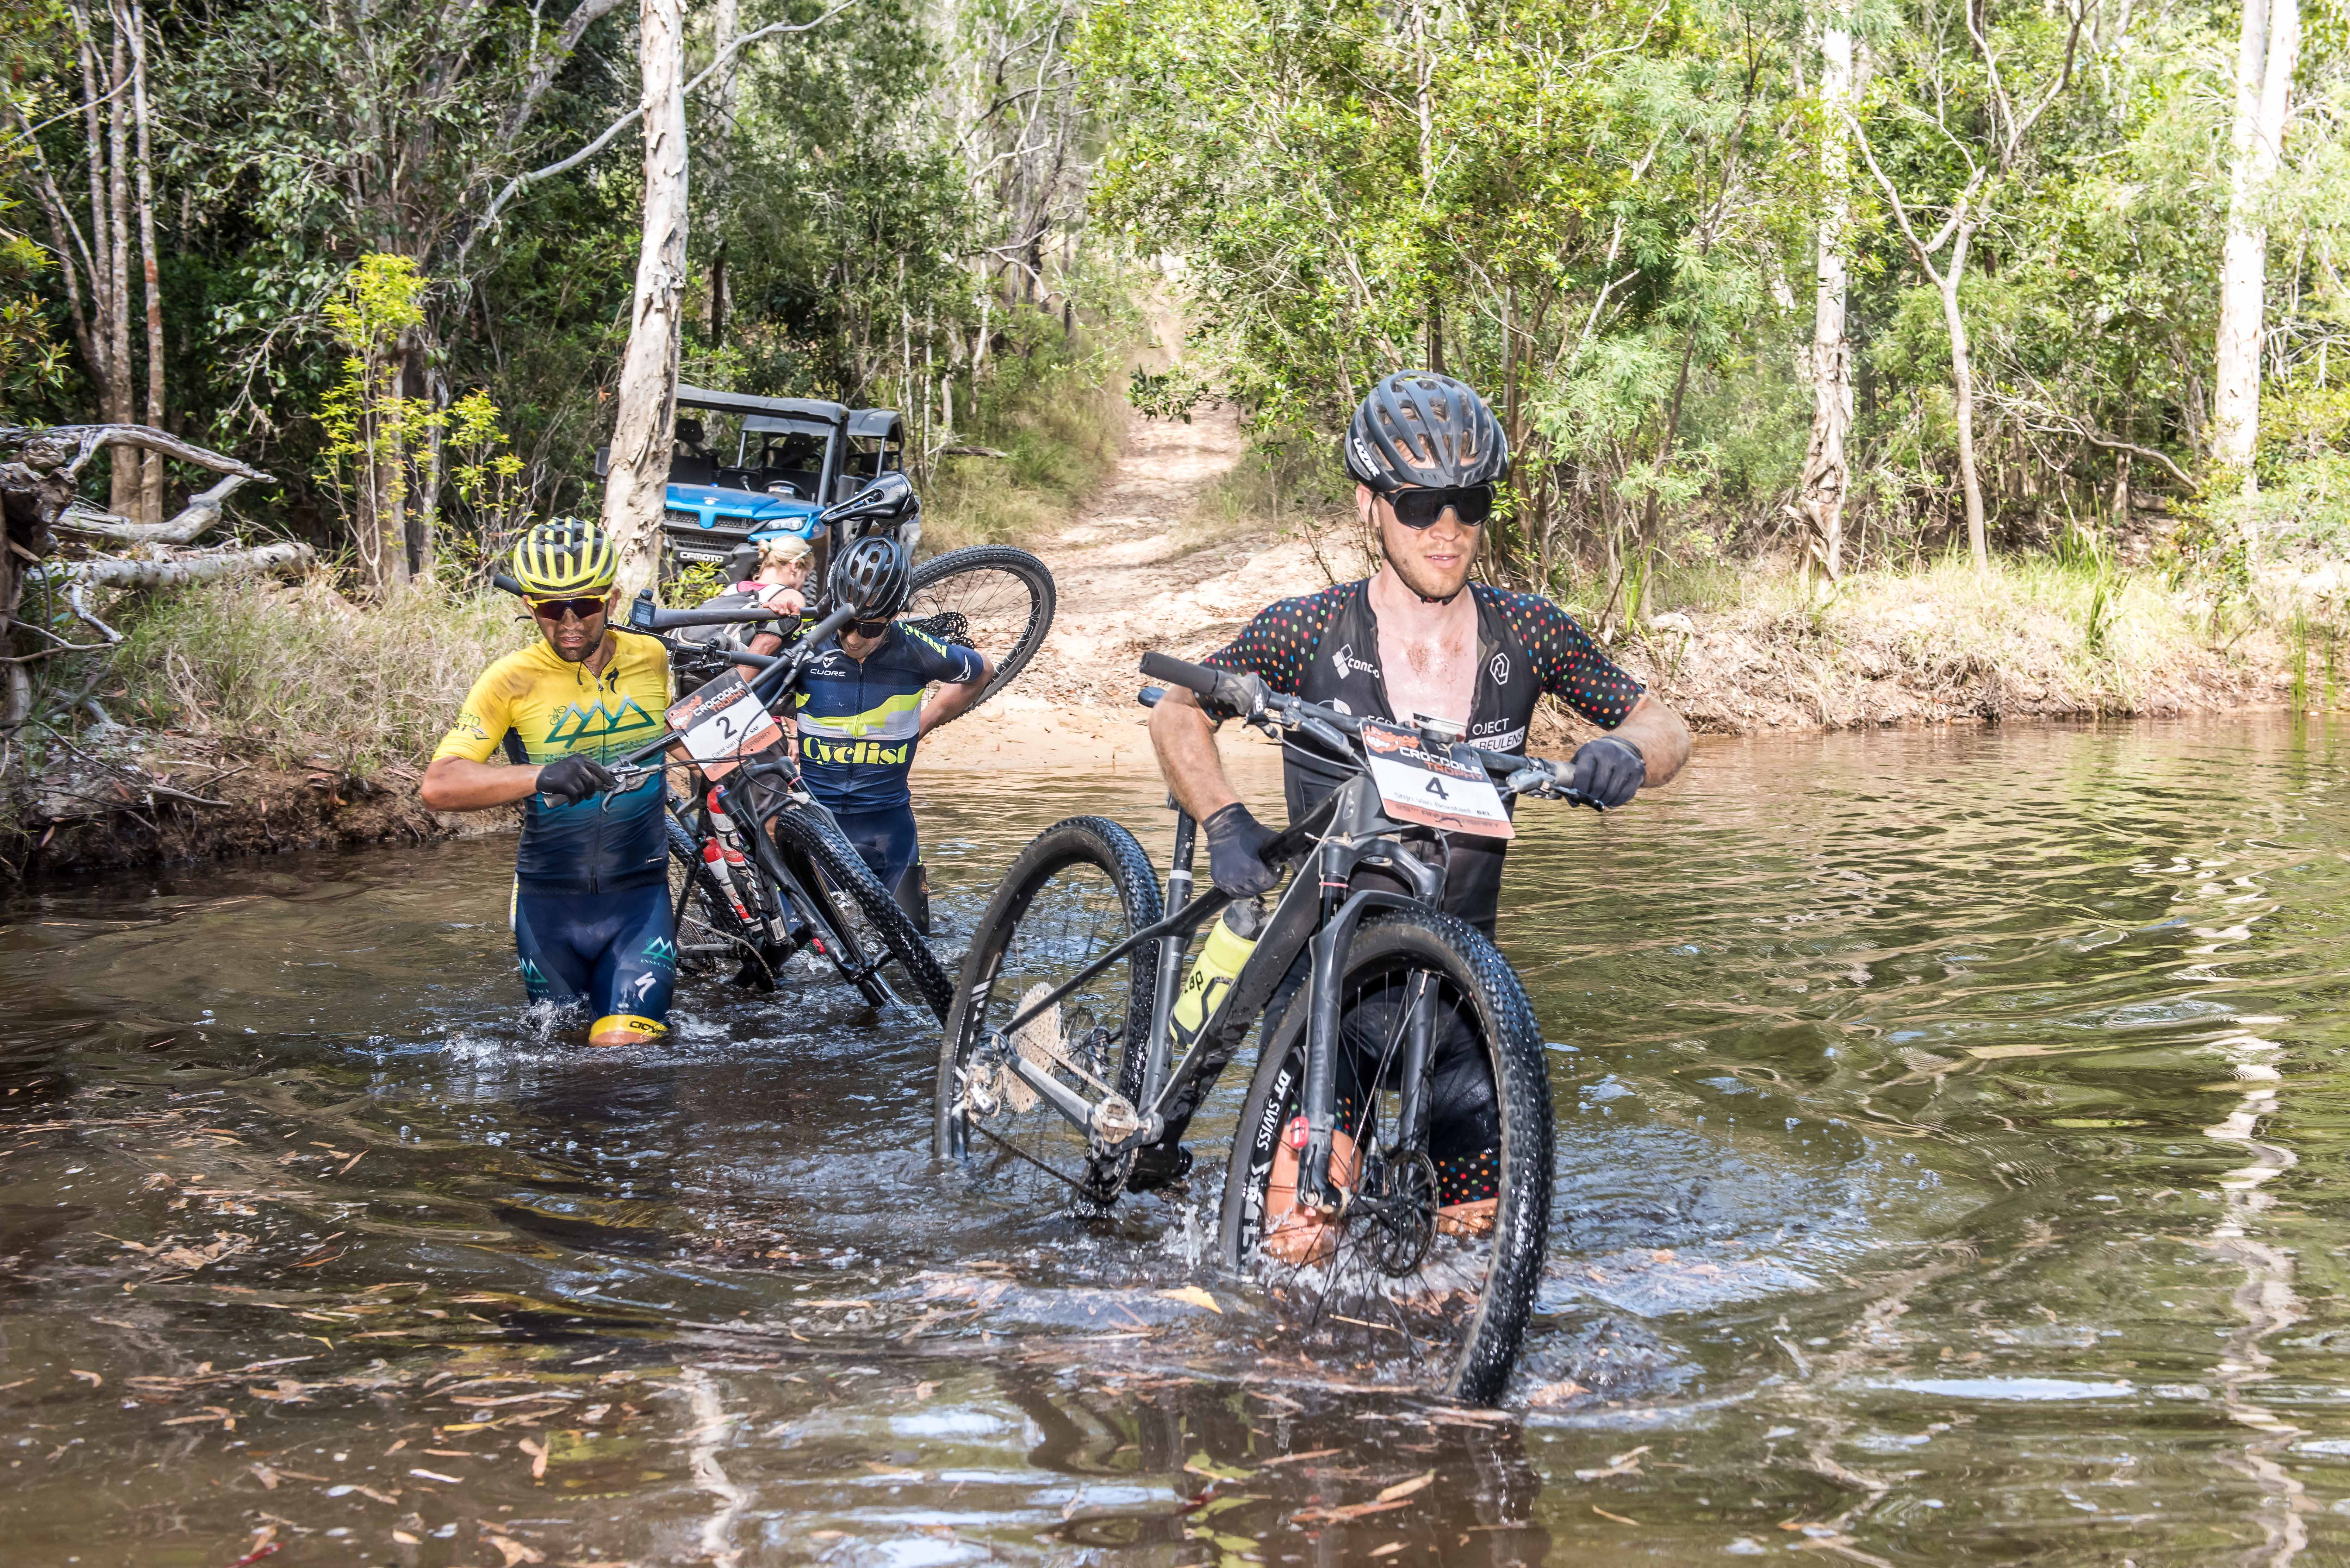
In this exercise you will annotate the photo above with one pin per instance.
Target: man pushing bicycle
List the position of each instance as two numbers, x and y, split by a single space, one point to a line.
591 911
1420 643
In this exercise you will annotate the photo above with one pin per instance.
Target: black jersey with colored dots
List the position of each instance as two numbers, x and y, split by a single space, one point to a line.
1324 648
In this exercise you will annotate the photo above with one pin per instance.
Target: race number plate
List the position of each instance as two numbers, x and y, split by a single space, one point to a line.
722 724
1417 785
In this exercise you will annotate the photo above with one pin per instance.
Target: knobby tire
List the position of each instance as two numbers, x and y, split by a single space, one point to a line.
1069 853
840 869
1485 1348
1019 564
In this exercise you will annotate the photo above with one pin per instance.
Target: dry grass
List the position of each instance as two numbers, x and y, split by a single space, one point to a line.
1061 422
1753 647
298 671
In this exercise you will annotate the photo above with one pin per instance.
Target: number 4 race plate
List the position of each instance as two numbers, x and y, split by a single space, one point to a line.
722 724
1417 785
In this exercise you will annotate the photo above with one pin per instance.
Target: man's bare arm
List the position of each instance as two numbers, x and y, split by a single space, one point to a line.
1188 760
1663 739
948 701
461 783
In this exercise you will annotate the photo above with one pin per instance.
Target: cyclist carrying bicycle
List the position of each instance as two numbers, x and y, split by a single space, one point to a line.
1419 641
590 910
861 713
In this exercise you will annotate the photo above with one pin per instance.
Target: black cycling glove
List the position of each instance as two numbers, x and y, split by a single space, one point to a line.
1236 844
1608 770
573 779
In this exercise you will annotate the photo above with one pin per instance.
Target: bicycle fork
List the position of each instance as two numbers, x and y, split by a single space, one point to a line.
1342 913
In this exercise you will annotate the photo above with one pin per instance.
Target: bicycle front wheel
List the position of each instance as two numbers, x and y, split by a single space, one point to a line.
711 934
861 908
991 597
1076 891
1430 1271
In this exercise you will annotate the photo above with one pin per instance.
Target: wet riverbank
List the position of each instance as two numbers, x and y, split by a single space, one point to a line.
1949 1127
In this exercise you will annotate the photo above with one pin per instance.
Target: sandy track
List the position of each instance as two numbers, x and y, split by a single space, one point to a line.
1137 568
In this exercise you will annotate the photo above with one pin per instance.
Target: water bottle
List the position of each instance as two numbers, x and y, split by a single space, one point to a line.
1228 948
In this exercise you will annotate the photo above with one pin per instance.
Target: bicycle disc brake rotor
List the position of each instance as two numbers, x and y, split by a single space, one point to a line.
1395 1211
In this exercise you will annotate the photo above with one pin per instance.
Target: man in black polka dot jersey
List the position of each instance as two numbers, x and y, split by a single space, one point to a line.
1418 641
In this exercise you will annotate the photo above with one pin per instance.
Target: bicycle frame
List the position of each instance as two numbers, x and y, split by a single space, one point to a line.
1316 916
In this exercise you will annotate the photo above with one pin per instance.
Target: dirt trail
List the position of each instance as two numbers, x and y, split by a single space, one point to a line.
1138 567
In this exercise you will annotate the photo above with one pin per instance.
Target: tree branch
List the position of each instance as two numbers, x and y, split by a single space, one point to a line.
523 181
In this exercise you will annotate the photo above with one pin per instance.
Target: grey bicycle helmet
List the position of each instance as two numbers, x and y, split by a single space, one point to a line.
1418 427
872 575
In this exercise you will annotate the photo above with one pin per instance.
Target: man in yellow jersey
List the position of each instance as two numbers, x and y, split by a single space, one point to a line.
591 911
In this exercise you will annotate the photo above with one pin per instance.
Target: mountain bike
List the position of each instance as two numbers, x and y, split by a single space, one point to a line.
1383 1016
792 882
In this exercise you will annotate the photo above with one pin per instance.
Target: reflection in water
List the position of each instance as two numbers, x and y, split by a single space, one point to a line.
1901 1219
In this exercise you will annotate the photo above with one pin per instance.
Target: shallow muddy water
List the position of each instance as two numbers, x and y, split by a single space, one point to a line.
1948 1131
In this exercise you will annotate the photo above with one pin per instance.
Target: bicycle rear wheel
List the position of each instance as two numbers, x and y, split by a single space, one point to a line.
1438 1303
861 907
1078 889
991 597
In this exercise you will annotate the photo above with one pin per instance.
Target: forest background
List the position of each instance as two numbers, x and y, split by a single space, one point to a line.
2023 311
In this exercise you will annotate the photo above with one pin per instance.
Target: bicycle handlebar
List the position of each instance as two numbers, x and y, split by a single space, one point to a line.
1243 694
645 616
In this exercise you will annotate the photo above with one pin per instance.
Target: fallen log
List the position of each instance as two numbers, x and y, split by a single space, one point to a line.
114 572
202 510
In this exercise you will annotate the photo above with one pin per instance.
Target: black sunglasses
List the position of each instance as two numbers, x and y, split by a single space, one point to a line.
576 609
1419 508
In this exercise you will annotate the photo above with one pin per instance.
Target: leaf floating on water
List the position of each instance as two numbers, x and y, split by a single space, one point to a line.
1616 1516
537 1452
923 1391
1554 1394
437 1476
1192 1295
95 1380
1624 1464
1199 1464
267 1477
1389 1549
404 1538
1406 1488
515 1551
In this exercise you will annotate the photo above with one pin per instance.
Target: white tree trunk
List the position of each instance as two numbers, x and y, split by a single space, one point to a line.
1826 472
1963 389
636 485
2269 42
150 489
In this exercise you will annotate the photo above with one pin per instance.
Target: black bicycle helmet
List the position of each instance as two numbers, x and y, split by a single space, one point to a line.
1418 427
872 575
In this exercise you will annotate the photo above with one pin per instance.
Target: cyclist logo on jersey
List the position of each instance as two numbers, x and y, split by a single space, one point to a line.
576 724
661 950
1348 664
1500 669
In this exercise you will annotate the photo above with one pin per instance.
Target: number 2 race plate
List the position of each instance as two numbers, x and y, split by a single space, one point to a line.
1417 785
722 724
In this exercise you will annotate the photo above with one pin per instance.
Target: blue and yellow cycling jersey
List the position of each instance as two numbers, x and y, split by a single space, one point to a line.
536 706
858 719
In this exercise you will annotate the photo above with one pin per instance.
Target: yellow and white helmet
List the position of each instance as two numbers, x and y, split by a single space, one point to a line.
563 557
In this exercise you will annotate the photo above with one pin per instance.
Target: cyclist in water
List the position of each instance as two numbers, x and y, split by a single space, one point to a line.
861 713
590 910
1418 641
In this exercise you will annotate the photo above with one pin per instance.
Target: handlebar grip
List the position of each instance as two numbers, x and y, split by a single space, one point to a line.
501 580
1235 691
1197 679
1150 695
